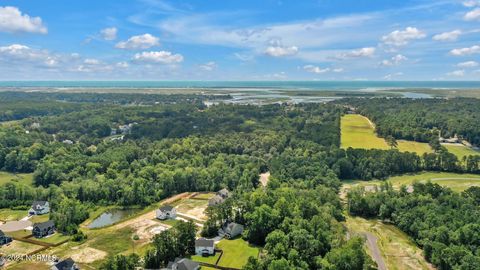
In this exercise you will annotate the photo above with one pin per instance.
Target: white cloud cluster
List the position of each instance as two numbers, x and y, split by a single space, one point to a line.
473 15
403 37
395 60
466 51
209 66
109 33
279 51
160 57
456 73
363 52
19 52
471 3
144 41
392 76
468 64
319 70
12 20
448 36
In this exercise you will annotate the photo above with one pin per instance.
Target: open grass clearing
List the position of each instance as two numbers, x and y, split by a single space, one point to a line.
357 131
204 196
54 239
24 178
397 249
236 252
39 218
9 214
455 181
192 207
19 247
460 150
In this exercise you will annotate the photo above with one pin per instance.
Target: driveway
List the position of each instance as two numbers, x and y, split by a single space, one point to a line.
11 226
373 247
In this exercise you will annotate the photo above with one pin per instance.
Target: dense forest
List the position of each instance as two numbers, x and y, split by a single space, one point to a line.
124 149
422 119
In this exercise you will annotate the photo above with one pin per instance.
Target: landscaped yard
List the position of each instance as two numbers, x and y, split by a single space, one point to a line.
236 252
358 132
460 150
209 259
113 241
20 233
25 178
9 214
19 247
39 218
54 239
397 249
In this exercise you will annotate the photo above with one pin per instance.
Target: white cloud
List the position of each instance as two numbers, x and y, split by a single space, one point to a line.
468 64
109 33
447 36
22 53
91 61
393 75
122 65
457 73
245 57
363 52
473 15
209 66
403 37
12 20
144 41
471 3
319 70
466 51
395 60
279 51
161 57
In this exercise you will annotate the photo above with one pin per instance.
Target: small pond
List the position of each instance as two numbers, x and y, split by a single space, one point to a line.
111 216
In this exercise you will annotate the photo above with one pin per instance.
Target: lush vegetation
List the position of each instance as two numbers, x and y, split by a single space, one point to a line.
445 223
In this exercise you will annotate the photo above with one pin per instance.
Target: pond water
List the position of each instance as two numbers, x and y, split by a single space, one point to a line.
111 216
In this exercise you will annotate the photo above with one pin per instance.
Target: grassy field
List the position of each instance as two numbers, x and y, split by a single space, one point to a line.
455 181
397 249
24 178
358 132
460 151
204 196
209 259
40 218
8 214
54 239
236 252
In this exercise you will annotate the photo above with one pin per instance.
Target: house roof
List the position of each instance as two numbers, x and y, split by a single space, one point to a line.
230 226
44 225
65 264
203 242
216 199
223 192
186 264
38 204
166 208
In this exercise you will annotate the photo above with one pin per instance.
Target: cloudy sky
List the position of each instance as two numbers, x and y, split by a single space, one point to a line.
240 40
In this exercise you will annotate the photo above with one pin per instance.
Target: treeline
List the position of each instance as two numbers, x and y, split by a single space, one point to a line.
444 223
422 119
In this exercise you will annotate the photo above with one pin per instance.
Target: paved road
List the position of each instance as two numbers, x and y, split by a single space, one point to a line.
376 255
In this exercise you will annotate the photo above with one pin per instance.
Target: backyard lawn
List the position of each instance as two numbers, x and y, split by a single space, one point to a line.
54 239
8 214
236 252
460 151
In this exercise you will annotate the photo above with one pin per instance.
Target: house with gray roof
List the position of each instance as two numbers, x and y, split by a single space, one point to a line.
39 208
67 264
182 264
43 229
219 198
4 239
230 230
204 247
166 212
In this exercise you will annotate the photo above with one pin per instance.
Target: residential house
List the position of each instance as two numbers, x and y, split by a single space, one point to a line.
219 197
4 239
67 264
67 141
43 229
230 230
166 212
182 264
204 247
39 208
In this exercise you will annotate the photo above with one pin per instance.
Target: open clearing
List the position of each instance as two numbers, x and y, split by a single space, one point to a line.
455 181
357 131
9 215
192 207
396 248
460 150
24 178
236 252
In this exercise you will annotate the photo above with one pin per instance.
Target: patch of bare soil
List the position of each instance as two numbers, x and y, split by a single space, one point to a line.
87 254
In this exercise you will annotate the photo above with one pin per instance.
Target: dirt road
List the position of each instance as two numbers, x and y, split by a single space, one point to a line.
375 251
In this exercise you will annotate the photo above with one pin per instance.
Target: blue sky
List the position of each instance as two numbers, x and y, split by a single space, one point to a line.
240 40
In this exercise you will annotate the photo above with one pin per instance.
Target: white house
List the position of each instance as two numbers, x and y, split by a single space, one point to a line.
39 208
166 212
204 247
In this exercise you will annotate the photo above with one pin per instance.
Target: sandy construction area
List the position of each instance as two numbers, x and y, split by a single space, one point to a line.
87 254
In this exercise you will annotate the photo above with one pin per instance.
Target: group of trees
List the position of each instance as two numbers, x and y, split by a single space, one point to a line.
444 223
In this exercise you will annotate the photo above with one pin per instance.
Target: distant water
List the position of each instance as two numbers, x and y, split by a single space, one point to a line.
246 85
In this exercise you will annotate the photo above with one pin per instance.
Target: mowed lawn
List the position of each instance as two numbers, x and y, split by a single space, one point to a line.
236 252
461 151
358 132
455 181
24 178
9 214
397 249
